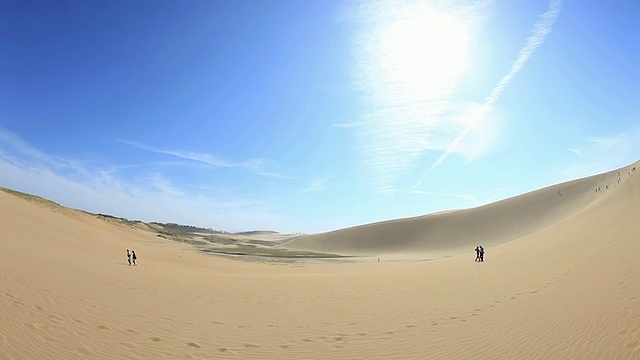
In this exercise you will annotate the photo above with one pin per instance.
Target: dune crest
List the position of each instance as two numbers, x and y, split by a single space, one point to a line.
457 231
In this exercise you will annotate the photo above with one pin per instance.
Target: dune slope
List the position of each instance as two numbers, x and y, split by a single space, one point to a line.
458 231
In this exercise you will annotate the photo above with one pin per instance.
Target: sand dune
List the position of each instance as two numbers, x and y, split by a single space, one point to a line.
561 281
458 231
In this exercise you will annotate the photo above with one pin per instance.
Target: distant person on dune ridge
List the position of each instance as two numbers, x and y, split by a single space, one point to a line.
477 253
134 257
128 257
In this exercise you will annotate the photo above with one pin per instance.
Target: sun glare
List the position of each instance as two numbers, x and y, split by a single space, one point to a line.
425 53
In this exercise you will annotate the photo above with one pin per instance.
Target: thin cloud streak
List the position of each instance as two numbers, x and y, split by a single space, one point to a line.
317 185
603 153
255 165
347 125
540 30
577 152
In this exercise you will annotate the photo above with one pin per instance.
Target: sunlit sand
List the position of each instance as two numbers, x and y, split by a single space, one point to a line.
560 281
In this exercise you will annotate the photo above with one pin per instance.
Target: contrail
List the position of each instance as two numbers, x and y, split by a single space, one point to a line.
540 30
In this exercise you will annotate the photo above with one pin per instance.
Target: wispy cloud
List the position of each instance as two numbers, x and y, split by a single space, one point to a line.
317 184
388 189
609 142
256 166
347 125
96 188
605 152
540 30
575 151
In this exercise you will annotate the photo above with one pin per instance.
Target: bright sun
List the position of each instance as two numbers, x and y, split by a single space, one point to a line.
425 52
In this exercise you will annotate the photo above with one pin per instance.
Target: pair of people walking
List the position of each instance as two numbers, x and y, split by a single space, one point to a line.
131 256
479 253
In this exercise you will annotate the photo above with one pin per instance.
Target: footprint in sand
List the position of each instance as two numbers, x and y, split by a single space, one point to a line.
155 339
193 345
103 327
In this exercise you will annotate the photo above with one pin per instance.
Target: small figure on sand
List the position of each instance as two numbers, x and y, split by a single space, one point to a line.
128 257
479 253
134 257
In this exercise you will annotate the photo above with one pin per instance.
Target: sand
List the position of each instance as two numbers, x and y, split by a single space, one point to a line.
560 281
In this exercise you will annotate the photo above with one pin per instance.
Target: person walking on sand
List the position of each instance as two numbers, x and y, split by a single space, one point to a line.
481 253
478 253
133 256
128 257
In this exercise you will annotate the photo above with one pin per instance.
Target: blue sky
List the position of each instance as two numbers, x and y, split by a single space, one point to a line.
301 116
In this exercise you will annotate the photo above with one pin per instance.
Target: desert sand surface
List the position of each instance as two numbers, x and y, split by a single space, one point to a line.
561 280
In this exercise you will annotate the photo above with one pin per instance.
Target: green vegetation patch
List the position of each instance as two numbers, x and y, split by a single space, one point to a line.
117 219
29 197
185 229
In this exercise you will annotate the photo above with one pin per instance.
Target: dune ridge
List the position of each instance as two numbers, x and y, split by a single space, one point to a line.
458 230
564 286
